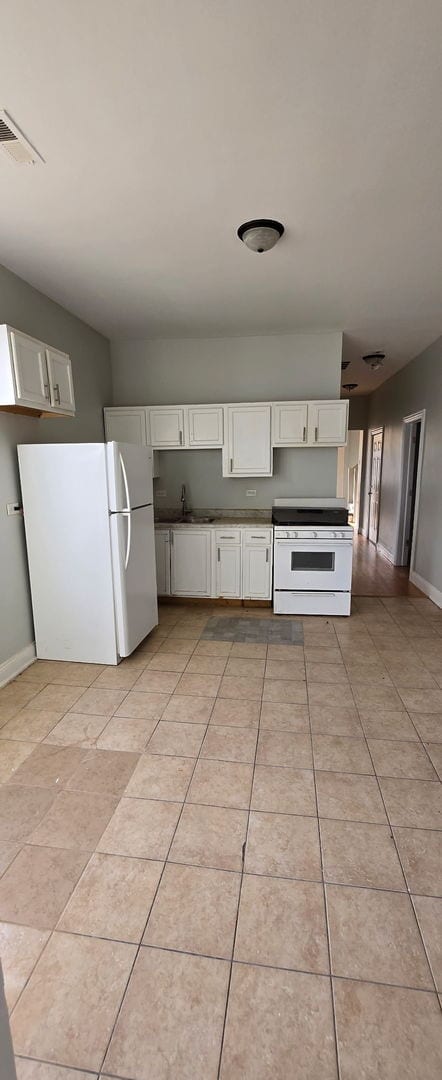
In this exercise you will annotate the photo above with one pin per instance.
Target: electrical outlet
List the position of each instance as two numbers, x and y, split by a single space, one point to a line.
251 491
161 494
14 508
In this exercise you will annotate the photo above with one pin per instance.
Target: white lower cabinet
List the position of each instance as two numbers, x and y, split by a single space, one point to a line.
257 570
228 570
162 558
191 562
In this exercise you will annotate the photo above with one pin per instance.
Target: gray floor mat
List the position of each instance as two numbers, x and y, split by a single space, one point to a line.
249 631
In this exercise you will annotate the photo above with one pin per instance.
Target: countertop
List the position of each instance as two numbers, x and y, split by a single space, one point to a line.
218 523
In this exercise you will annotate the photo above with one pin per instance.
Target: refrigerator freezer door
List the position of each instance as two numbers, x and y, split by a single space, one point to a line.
135 587
129 470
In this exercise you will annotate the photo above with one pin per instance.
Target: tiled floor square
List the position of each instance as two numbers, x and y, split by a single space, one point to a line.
235 713
117 678
221 783
406 759
281 716
157 682
20 948
106 771
188 710
360 854
76 729
140 705
300 1035
160 776
142 828
283 790
210 836
374 936
229 744
35 889
413 803
386 1031
243 666
167 662
379 723
12 754
421 855
84 1001
21 809
48 766
177 739
333 721
285 669
76 819
236 686
112 898
126 733
428 725
282 923
339 753
285 690
195 911
283 846
349 797
8 851
30 725
56 698
330 694
198 685
97 701
205 665
424 701
284 748
180 1033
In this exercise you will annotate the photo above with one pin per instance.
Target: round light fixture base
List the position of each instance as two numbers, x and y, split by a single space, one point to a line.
349 386
261 234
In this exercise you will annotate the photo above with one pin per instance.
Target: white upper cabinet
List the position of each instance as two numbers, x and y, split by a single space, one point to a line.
167 427
126 425
191 562
289 423
34 376
205 426
327 423
60 380
248 451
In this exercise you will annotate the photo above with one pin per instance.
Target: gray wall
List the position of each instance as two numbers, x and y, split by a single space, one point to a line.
286 366
417 386
26 309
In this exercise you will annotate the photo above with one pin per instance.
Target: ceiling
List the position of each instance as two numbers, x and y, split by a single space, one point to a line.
164 125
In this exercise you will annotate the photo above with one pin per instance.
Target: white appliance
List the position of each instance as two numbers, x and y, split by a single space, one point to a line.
313 554
91 548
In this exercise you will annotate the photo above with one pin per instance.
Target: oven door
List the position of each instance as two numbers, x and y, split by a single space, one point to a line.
313 564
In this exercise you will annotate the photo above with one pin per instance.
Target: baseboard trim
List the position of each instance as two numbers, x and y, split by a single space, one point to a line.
430 590
9 669
386 554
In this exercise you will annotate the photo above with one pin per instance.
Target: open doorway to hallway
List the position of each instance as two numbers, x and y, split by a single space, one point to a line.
349 475
411 474
374 491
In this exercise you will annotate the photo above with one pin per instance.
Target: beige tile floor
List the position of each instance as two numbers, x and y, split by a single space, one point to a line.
225 860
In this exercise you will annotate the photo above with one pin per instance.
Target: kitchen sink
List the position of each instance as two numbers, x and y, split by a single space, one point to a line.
190 519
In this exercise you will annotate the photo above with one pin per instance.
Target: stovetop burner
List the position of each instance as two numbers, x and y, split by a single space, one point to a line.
310 515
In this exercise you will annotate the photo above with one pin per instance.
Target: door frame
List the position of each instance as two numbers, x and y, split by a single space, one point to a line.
372 432
407 422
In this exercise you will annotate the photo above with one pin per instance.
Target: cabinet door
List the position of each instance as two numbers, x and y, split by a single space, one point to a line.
205 425
126 425
228 570
248 451
30 371
327 423
289 423
60 381
167 427
257 572
162 558
191 562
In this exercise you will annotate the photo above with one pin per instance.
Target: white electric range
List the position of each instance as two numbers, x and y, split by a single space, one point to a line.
312 557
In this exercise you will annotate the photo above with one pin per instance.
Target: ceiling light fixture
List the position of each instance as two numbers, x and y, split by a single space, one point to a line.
350 386
344 365
261 234
374 360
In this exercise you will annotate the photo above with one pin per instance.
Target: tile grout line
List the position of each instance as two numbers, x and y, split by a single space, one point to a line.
244 850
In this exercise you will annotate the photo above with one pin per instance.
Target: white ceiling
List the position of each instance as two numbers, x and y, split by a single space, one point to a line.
166 123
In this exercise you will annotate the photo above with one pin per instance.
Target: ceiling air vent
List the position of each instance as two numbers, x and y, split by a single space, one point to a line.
14 144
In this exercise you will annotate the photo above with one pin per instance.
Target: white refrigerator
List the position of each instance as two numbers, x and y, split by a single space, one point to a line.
88 513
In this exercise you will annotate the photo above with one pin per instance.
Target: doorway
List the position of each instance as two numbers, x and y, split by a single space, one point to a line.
411 472
376 445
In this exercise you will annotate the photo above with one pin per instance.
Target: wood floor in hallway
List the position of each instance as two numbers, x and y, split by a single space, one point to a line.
373 575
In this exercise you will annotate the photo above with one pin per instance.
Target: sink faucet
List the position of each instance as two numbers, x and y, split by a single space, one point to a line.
183 500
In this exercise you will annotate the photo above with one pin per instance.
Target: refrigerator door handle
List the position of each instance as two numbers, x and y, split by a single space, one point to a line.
126 485
127 514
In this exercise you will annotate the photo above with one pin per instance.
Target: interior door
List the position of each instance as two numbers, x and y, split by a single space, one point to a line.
375 485
135 585
30 371
60 380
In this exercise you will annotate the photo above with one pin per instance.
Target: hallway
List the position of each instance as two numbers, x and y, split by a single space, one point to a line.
373 575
